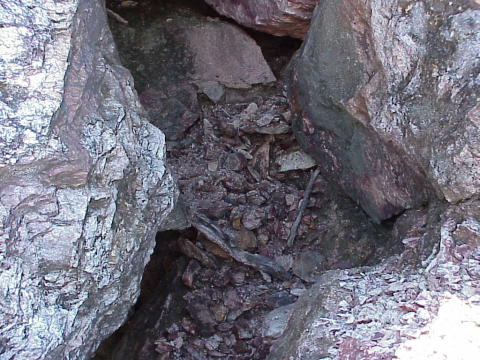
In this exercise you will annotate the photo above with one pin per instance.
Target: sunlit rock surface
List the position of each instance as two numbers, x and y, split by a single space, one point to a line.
386 95
83 181
422 304
277 17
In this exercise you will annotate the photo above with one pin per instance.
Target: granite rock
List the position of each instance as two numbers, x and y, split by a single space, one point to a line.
83 181
405 118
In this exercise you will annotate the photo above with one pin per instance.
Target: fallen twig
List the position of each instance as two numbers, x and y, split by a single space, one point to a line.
220 238
116 17
303 207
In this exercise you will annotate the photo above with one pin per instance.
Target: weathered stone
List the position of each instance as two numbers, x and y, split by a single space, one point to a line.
213 89
294 159
275 322
385 96
83 181
252 218
177 219
245 239
375 312
308 266
174 53
277 17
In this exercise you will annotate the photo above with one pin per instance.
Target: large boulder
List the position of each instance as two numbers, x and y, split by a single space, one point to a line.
385 96
398 309
83 181
175 53
277 17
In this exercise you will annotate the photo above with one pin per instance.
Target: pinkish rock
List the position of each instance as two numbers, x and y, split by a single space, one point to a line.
277 17
190 272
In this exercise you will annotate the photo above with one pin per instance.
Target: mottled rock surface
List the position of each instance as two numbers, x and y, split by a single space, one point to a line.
277 17
385 97
175 53
83 181
397 309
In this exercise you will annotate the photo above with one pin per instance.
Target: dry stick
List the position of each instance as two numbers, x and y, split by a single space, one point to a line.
303 207
117 17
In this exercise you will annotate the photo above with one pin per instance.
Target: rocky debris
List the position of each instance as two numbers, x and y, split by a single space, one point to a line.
277 17
84 183
243 273
175 53
412 72
395 309
253 195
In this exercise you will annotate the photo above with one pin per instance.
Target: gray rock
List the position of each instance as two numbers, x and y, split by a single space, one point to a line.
308 266
277 17
177 219
213 89
83 181
276 321
405 118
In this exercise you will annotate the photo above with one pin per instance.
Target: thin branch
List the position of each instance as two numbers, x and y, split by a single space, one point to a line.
303 207
116 17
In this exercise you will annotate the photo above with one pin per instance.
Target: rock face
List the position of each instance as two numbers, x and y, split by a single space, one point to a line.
386 99
175 53
386 312
277 17
83 181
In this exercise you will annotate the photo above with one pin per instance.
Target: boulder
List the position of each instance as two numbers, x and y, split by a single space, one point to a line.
398 308
175 53
277 17
83 186
385 97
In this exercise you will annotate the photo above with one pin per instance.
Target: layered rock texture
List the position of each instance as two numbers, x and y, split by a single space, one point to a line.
386 99
83 181
412 306
276 17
